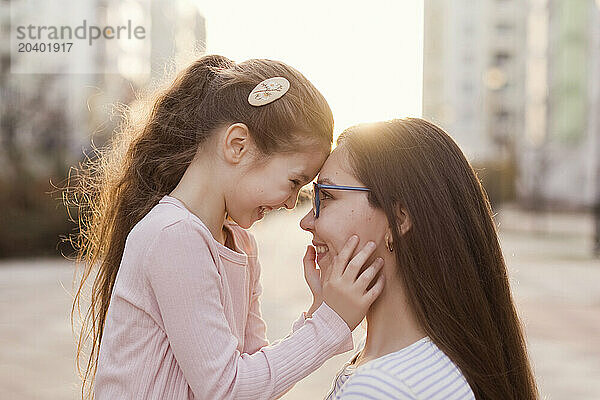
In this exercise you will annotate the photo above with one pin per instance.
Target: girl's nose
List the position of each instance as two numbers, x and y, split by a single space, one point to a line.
291 202
307 222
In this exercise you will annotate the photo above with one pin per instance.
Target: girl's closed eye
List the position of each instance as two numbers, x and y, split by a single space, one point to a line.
295 183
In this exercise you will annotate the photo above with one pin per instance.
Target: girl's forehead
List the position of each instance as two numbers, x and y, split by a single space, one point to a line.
305 165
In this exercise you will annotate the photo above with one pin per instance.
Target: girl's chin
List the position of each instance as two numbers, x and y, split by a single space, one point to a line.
246 223
252 219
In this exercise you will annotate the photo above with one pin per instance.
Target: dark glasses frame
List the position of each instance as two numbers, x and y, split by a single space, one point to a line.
316 201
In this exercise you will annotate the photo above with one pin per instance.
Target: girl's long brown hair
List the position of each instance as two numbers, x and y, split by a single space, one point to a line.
450 260
145 161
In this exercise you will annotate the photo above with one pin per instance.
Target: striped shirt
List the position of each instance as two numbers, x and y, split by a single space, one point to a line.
420 371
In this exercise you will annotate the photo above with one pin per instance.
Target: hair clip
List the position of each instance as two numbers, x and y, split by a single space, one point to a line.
268 91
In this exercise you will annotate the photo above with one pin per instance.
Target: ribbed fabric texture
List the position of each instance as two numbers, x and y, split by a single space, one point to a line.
184 321
420 371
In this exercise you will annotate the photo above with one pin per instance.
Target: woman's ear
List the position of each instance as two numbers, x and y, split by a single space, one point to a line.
404 221
404 225
236 143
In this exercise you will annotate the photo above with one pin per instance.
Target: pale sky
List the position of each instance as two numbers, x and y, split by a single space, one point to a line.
365 57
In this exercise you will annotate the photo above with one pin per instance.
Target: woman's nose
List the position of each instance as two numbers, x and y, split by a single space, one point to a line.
307 222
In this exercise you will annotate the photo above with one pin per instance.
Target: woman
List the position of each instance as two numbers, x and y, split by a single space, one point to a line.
445 325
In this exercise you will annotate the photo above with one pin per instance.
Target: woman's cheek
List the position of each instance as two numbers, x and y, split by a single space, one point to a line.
328 234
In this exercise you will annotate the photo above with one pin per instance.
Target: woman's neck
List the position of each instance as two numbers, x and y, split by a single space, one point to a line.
391 324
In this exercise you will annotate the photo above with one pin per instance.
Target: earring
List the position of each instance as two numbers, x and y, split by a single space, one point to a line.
389 244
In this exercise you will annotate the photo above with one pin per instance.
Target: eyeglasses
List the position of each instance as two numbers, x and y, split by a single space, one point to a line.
316 200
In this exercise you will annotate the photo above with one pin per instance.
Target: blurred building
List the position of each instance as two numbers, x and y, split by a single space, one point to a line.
4 77
474 64
47 120
559 153
514 84
473 82
45 116
176 35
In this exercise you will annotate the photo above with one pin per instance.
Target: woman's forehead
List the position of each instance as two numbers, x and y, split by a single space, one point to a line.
336 170
332 164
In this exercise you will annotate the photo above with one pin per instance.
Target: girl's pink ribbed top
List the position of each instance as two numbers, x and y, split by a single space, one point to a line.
184 320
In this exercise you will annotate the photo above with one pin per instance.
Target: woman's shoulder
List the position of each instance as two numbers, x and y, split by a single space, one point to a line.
421 370
418 351
375 383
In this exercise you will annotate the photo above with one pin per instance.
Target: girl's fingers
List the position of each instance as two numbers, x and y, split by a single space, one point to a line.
310 267
309 258
373 293
342 258
366 277
312 275
358 261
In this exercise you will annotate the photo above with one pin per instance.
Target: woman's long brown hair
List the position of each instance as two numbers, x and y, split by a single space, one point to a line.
450 260
146 159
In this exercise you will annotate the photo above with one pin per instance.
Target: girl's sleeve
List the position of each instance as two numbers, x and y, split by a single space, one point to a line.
256 328
186 285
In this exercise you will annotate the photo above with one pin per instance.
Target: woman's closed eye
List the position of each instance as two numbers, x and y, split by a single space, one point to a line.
325 195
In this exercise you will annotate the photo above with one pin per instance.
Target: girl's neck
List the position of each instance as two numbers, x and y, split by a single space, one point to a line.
391 325
201 194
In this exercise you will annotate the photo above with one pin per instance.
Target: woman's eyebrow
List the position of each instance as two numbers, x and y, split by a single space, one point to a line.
326 181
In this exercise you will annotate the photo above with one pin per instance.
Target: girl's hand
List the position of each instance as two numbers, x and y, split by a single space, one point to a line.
313 278
344 290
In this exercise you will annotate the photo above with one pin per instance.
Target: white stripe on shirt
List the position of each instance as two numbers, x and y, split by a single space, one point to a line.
420 371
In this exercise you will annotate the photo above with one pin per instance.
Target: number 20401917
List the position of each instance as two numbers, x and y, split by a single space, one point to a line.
26 47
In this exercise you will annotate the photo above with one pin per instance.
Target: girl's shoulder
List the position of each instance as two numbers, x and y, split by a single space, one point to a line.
170 220
171 214
168 215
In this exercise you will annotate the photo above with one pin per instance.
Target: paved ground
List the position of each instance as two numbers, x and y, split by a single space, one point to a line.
555 283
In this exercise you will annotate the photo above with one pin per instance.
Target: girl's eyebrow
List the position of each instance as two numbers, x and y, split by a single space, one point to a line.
305 178
302 177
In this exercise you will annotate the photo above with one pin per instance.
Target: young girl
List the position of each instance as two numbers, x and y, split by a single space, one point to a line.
445 326
175 310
